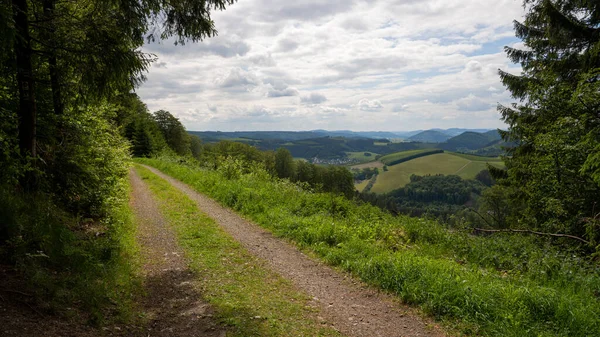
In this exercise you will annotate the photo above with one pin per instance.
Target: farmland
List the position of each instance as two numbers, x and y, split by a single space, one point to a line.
361 157
399 157
441 163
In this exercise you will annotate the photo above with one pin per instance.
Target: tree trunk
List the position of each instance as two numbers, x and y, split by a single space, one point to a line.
25 81
54 80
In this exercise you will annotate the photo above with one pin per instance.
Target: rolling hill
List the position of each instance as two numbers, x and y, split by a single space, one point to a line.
430 136
465 166
472 141
400 157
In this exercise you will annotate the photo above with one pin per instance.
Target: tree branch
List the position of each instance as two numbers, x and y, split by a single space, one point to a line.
531 232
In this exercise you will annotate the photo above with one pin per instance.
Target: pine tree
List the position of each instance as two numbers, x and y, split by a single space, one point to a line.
556 124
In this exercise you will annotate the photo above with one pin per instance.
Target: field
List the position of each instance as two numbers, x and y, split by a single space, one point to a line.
370 164
361 157
361 186
394 158
398 176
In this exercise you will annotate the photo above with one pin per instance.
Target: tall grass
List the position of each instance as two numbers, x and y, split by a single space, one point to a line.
75 266
492 286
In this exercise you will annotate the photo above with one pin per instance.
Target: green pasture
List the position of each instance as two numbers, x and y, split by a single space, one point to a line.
390 158
398 176
361 157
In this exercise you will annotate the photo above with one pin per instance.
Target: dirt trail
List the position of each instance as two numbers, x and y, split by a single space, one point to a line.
172 304
346 303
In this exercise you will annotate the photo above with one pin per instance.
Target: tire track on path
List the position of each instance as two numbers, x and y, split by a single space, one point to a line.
172 305
348 304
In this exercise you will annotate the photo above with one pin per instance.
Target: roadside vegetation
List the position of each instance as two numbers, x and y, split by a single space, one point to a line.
249 299
495 286
68 126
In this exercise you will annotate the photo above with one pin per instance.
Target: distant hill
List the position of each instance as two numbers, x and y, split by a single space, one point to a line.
358 134
452 132
430 136
472 141
256 135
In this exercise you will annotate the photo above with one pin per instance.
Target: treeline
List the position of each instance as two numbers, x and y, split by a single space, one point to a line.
66 68
153 133
279 164
365 173
411 157
449 198
336 147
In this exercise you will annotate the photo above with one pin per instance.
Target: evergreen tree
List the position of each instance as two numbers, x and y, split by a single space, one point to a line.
556 124
284 163
173 131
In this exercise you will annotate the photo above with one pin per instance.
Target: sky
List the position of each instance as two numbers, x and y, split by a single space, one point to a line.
361 65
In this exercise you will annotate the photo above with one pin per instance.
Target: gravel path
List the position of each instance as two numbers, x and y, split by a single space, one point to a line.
172 304
348 304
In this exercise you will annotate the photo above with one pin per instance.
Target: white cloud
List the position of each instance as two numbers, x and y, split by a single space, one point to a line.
313 98
369 105
473 103
238 78
412 64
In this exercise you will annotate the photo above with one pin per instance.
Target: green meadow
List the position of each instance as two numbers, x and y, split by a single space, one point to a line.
465 166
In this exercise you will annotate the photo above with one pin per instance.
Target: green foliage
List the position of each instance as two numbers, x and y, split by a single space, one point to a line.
366 173
284 163
63 160
173 132
496 286
552 170
73 262
89 167
438 196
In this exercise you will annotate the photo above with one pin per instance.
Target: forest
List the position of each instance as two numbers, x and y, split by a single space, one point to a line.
524 262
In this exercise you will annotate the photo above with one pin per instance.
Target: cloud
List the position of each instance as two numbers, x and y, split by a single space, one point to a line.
238 78
212 108
369 105
313 98
400 107
263 60
287 45
228 47
474 103
283 92
413 63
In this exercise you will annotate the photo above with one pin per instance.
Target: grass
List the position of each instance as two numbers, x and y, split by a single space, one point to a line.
490 286
397 157
370 164
398 175
361 157
361 186
83 269
238 285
